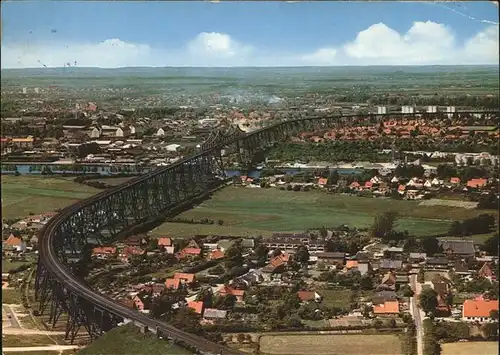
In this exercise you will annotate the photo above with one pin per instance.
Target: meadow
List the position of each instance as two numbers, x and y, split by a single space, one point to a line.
22 195
245 211
354 344
128 340
468 348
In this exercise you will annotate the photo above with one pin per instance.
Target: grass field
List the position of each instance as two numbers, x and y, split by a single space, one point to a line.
263 211
355 344
336 298
22 195
8 265
11 296
469 348
128 340
26 340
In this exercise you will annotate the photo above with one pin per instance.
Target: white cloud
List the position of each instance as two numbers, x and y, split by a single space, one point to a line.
424 43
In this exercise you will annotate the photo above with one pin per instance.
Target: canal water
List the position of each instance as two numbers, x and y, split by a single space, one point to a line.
106 170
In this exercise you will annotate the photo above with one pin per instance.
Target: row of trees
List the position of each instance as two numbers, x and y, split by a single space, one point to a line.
481 224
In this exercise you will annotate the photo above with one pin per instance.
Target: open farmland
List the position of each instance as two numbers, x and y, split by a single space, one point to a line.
355 344
22 195
469 348
263 211
128 340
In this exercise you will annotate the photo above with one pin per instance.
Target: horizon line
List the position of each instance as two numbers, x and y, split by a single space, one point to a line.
259 66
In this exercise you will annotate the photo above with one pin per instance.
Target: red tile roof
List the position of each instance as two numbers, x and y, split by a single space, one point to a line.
477 182
388 307
479 307
172 283
104 250
165 241
183 276
227 290
322 181
306 295
13 241
197 306
216 254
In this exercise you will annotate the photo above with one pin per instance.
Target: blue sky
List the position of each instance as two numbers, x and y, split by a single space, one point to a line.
113 34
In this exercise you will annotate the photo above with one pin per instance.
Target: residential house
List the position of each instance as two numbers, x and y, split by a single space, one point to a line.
216 254
455 181
462 248
142 302
461 269
351 264
154 288
477 183
103 252
309 296
196 306
129 251
388 308
478 310
332 258
186 279
26 143
173 284
271 272
14 243
187 252
214 314
436 263
135 241
486 271
389 264
230 291
164 242
388 282
322 182
383 296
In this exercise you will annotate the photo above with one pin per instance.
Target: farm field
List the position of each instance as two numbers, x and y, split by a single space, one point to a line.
468 348
22 195
354 344
263 211
26 340
128 340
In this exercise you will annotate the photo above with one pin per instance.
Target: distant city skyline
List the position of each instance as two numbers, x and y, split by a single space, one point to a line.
226 34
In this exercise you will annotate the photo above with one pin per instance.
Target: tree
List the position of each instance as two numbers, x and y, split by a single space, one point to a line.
494 314
490 330
383 224
206 296
187 320
261 253
428 300
234 255
491 245
333 178
431 246
302 255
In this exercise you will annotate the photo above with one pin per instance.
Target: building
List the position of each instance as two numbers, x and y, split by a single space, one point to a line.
26 143
458 247
388 308
332 258
478 310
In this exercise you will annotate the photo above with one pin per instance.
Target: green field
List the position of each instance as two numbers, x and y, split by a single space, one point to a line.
128 340
22 195
11 296
247 211
355 344
8 265
26 340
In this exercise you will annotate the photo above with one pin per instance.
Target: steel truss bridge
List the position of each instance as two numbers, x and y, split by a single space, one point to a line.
166 191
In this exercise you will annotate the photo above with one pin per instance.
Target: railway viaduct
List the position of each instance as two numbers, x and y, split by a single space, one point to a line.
164 192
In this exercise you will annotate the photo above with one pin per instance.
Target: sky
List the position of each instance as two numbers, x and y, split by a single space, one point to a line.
229 34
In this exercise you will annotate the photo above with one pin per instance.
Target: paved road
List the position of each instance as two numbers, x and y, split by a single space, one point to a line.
40 348
23 331
417 314
14 322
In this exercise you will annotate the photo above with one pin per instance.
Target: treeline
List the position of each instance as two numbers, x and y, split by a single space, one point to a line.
481 224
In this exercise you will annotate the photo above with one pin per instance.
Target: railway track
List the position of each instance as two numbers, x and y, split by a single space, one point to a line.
50 260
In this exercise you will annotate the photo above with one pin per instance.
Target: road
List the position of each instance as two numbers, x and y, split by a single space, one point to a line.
417 314
40 348
14 322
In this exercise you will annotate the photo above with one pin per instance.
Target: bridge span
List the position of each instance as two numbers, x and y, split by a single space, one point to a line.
166 191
